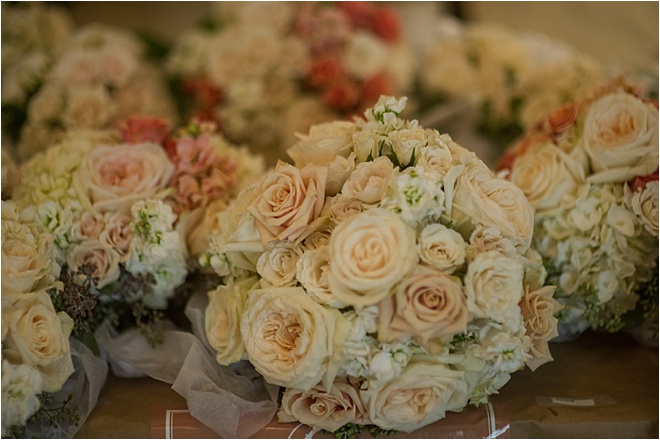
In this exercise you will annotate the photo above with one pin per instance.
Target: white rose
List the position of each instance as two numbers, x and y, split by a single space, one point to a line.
20 386
39 337
104 261
621 137
421 395
441 247
427 304
490 239
435 162
116 176
494 286
369 181
546 174
324 142
222 321
277 265
407 144
90 226
483 199
644 203
365 55
369 254
323 409
291 340
339 170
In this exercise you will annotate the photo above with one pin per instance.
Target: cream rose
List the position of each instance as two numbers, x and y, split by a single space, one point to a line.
621 137
105 261
291 340
312 272
369 181
546 175
407 143
39 337
343 207
369 254
483 199
339 170
20 386
441 247
427 304
116 176
289 202
538 310
494 286
89 227
28 256
88 108
323 409
223 322
490 239
421 395
324 142
277 265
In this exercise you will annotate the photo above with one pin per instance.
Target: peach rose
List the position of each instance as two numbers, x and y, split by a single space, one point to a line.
289 202
324 143
323 409
369 254
290 339
117 233
538 309
277 265
104 260
369 181
116 176
427 304
546 174
621 137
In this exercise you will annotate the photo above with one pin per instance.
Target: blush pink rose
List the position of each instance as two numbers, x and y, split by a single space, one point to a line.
289 202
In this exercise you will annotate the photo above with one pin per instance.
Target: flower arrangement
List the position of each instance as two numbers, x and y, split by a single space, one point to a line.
510 78
33 35
266 70
590 170
36 356
384 279
100 78
119 209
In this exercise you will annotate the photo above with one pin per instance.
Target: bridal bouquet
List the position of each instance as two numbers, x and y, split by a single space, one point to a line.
118 209
384 279
509 79
33 35
590 170
36 356
98 79
265 70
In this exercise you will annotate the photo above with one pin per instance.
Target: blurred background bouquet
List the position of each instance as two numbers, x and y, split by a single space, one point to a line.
87 78
265 71
590 170
384 279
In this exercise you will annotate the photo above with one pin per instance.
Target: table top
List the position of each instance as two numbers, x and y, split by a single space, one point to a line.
598 386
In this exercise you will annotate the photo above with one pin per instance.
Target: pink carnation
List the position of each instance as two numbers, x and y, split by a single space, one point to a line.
139 129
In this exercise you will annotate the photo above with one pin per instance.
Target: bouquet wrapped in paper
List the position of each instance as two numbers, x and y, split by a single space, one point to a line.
590 170
123 209
384 279
265 70
100 77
